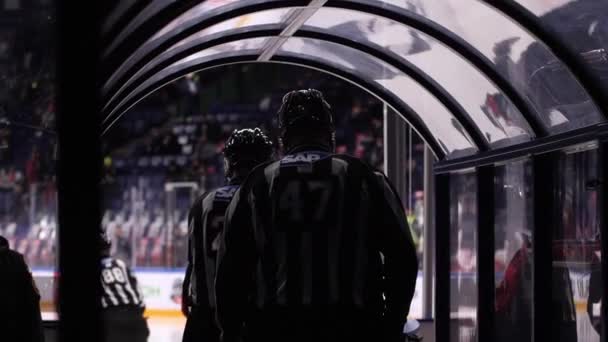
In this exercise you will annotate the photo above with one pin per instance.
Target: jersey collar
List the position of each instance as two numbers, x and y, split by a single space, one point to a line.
309 148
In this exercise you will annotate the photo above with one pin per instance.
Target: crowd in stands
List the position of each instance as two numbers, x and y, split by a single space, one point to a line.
27 122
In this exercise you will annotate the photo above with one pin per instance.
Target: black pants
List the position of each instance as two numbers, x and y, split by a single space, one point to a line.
200 326
125 324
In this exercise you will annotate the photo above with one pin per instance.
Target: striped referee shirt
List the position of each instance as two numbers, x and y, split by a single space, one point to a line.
119 286
315 230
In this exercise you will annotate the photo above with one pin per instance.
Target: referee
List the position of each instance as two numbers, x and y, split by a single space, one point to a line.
121 300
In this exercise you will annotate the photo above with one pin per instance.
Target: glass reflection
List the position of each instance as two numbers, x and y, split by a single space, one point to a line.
497 118
513 256
463 251
583 26
576 249
561 103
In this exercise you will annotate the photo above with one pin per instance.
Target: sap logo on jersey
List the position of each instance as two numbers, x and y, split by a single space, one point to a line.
226 193
303 157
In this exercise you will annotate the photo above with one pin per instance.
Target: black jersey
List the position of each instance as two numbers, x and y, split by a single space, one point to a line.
206 222
119 286
315 232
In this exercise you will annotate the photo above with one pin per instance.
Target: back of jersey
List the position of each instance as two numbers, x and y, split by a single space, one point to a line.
119 286
206 243
319 226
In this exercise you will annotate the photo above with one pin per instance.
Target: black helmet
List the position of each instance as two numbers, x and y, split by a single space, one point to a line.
246 148
305 107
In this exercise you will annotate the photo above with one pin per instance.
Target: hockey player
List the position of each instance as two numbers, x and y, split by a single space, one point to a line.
121 300
316 246
245 149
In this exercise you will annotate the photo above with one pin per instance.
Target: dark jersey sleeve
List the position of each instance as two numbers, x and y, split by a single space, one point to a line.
235 267
400 260
194 222
186 302
20 310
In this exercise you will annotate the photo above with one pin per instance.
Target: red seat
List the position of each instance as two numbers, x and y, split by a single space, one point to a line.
156 254
142 252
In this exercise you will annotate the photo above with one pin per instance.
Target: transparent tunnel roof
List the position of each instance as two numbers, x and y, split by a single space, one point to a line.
472 75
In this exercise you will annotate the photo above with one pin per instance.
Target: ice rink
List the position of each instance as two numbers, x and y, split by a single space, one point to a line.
166 329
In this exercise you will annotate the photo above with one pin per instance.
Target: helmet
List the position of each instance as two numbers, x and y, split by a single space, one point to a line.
305 107
246 148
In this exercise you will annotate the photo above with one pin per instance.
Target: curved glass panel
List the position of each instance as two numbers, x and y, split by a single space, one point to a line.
275 16
582 25
561 102
500 122
440 122
251 46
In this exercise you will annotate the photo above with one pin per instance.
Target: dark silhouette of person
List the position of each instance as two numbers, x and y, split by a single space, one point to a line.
20 317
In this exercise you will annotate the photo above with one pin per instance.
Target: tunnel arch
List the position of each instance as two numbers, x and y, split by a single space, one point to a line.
158 48
406 112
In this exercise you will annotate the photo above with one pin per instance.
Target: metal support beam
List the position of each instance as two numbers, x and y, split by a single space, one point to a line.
485 253
442 257
428 252
396 156
78 170
544 221
603 204
295 24
537 146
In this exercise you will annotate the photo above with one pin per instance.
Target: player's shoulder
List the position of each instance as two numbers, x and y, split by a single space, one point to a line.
223 194
120 263
12 256
354 163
